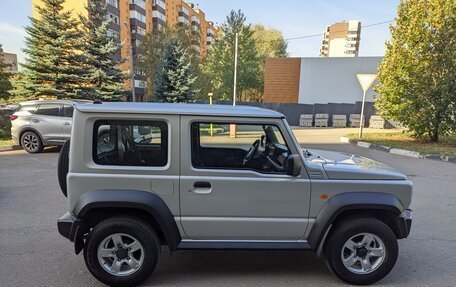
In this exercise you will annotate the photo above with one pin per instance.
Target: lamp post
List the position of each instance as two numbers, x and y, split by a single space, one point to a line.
132 66
365 80
235 68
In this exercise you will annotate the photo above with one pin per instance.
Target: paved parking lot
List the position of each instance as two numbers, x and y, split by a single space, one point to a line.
32 253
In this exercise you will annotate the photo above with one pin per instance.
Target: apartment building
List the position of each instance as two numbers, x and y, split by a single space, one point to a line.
341 39
132 19
10 60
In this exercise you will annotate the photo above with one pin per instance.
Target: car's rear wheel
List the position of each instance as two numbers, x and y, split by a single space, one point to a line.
361 251
31 142
122 251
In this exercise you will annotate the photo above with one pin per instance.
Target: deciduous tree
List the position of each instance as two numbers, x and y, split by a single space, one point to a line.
417 76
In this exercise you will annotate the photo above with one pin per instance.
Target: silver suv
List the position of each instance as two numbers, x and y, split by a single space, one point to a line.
37 124
142 176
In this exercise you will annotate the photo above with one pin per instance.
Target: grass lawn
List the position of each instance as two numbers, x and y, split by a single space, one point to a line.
6 142
446 145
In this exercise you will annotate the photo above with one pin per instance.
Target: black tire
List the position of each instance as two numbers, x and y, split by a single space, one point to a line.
346 230
63 166
31 142
131 226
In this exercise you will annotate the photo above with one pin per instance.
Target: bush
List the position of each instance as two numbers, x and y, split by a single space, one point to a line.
5 125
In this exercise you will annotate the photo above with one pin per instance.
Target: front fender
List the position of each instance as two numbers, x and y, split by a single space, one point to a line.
350 201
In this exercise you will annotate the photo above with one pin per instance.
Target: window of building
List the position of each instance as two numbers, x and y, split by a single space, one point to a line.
130 143
68 111
48 110
238 146
115 19
114 3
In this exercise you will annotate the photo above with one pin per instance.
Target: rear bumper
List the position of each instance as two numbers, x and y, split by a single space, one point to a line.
404 223
68 226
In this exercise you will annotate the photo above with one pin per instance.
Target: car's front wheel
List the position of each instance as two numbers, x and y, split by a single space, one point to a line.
31 142
122 251
361 251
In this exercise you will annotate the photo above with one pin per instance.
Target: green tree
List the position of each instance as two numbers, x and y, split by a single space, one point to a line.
53 60
152 48
174 80
5 76
269 42
218 67
101 54
417 76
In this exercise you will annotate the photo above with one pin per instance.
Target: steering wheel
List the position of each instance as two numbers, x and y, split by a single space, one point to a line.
252 151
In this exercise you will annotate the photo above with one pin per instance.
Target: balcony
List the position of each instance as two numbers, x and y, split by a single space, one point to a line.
157 14
160 3
184 20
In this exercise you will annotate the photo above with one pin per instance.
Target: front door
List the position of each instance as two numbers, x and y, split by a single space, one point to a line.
233 185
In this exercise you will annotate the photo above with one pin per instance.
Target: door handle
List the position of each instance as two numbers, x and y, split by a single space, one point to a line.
202 184
202 187
35 121
66 123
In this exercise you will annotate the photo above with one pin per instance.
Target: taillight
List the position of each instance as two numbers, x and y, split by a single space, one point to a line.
13 117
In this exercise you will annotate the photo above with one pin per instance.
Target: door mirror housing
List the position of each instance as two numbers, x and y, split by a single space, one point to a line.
293 166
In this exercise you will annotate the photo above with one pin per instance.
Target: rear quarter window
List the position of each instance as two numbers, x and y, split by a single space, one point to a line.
130 143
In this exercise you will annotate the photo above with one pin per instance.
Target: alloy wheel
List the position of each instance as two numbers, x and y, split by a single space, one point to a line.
363 253
120 254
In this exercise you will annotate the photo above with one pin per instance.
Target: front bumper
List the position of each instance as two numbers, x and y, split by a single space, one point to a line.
404 223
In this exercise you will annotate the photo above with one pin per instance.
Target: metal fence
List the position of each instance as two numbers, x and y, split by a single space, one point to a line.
293 111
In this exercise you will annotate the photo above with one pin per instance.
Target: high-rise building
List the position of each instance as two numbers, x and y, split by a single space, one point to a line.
132 19
341 39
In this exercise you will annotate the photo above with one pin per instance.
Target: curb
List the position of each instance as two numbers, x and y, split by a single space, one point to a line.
9 148
397 151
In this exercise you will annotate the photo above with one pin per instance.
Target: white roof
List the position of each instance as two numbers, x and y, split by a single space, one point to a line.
178 109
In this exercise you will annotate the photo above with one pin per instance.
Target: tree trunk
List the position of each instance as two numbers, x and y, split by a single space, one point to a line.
435 130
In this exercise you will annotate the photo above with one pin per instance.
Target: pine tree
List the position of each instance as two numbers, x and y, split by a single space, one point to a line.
53 60
5 83
174 80
101 53
152 47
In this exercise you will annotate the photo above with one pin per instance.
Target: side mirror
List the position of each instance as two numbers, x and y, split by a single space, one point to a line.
294 164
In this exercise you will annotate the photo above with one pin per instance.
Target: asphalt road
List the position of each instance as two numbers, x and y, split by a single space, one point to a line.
32 253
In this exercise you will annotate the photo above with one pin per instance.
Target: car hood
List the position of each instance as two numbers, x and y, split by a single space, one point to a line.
347 166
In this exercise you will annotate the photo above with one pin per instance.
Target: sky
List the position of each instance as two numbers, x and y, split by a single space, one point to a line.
295 18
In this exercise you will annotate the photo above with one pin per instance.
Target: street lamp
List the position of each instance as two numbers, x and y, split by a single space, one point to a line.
235 68
365 80
132 66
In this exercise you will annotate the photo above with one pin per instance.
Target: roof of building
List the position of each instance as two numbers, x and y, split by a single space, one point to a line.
179 109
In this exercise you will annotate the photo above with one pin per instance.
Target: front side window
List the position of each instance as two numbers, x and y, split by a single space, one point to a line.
131 143
256 147
48 110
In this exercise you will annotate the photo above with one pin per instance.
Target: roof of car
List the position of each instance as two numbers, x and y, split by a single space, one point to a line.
35 102
179 109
